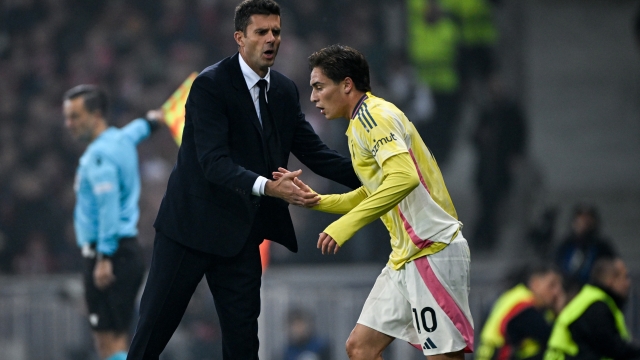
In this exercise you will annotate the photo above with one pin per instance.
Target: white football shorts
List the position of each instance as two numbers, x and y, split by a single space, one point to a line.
426 303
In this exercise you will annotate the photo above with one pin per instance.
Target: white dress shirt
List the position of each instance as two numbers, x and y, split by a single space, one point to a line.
252 78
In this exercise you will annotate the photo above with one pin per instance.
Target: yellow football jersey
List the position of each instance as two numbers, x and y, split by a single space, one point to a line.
425 220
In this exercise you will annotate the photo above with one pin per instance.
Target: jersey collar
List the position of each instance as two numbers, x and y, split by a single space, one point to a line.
355 111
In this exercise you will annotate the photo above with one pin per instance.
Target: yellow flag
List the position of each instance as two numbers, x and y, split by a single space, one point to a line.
173 108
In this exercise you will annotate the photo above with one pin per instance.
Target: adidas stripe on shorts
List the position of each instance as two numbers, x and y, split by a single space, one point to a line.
426 303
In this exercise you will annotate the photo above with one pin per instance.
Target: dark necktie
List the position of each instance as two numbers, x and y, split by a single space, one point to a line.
269 131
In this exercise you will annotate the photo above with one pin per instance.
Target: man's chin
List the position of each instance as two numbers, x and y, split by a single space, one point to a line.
269 62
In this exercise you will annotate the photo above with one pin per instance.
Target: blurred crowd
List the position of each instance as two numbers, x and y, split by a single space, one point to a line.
430 57
140 51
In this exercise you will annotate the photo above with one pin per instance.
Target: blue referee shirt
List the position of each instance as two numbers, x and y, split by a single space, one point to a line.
107 187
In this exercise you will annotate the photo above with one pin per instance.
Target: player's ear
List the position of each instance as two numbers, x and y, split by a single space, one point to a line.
348 85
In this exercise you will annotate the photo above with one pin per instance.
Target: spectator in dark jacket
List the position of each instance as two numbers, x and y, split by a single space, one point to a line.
500 141
581 248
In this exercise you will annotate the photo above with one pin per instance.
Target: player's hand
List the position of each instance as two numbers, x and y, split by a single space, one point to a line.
285 189
327 244
103 274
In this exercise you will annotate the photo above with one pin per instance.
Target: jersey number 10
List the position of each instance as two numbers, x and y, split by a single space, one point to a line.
423 317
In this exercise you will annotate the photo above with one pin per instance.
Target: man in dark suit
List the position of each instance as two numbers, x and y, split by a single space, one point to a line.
242 121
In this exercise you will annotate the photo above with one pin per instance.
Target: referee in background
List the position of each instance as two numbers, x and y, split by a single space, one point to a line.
107 187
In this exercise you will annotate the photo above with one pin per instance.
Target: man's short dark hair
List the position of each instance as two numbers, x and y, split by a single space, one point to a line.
253 7
526 272
95 98
297 314
338 62
602 269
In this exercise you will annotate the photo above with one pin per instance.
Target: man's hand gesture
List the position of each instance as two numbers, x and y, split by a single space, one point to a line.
284 187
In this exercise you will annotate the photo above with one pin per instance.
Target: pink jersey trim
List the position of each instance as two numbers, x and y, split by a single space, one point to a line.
445 301
417 241
424 183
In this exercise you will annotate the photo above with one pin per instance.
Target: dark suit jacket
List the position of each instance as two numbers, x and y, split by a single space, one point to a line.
208 205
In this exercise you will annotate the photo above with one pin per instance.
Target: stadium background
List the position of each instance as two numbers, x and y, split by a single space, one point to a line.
574 66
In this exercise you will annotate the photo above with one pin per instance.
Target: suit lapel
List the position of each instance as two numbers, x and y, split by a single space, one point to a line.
246 102
243 94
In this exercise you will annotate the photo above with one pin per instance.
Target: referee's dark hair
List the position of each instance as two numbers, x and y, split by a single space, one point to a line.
95 98
339 62
253 7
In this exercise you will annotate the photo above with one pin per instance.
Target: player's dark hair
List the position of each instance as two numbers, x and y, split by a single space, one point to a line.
253 7
338 62
95 98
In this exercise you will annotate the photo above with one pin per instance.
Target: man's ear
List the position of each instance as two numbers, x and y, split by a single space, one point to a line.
239 37
96 114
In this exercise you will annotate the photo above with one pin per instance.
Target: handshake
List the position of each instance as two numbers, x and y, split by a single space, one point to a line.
287 186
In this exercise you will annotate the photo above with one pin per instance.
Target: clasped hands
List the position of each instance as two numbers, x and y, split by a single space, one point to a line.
288 186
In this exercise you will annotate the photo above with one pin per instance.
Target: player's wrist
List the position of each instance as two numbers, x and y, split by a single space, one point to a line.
336 234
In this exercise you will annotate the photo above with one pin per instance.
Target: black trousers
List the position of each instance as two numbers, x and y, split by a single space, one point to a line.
112 309
174 274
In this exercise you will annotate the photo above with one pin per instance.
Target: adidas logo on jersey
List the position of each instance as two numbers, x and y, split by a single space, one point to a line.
429 344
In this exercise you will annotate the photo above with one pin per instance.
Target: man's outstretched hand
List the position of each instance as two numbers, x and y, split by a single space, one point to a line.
296 181
326 243
284 187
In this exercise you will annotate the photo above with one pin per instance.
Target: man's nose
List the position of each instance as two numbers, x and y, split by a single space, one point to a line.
270 37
